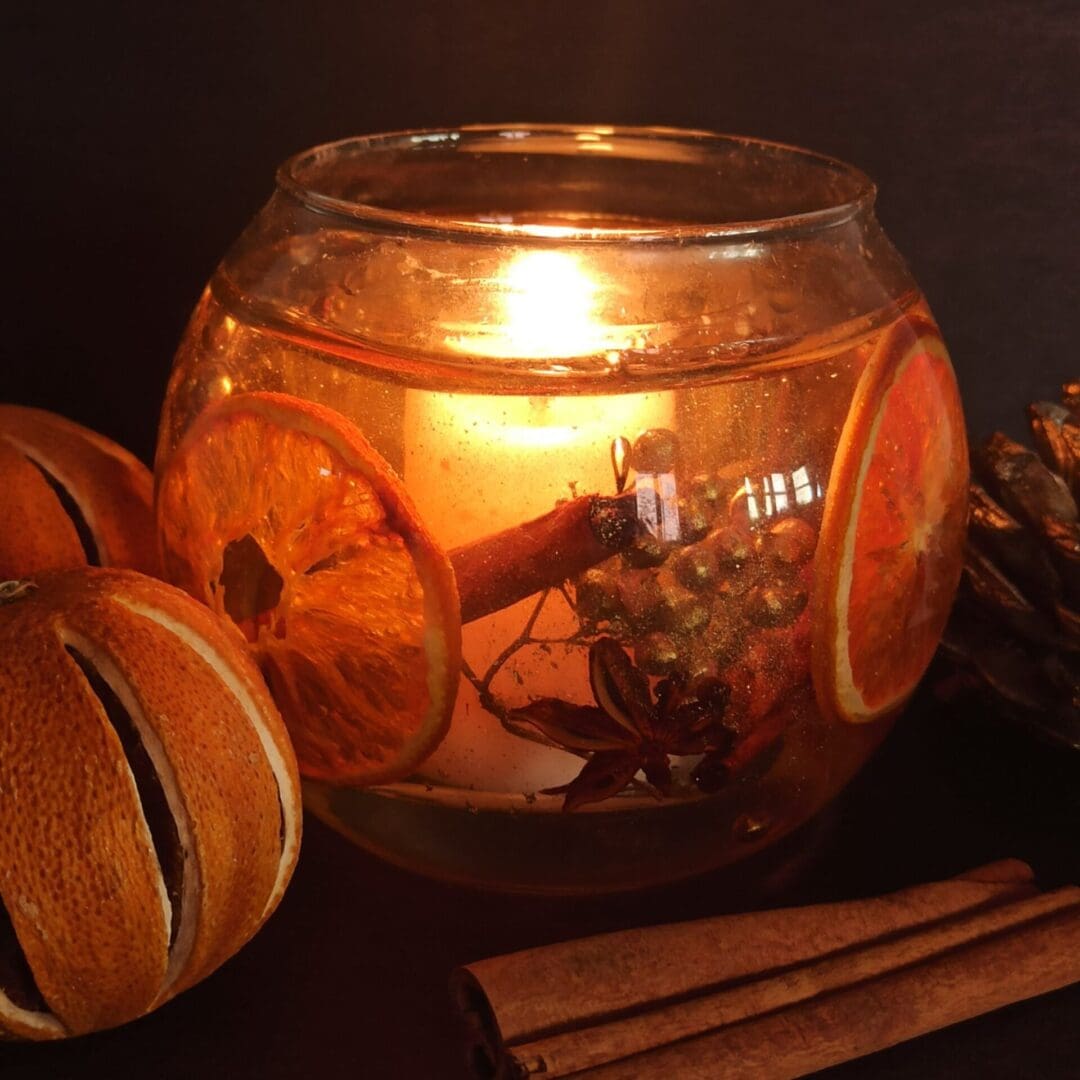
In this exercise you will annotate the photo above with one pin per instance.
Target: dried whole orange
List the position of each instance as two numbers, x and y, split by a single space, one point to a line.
277 513
70 497
891 543
148 794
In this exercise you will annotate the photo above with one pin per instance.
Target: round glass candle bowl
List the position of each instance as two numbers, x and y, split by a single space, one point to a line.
592 498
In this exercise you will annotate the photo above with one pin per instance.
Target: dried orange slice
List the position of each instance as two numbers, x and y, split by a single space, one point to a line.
891 543
278 514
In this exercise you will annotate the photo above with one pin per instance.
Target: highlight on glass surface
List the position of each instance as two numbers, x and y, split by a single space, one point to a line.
592 498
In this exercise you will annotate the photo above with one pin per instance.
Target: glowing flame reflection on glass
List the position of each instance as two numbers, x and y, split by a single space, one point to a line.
548 307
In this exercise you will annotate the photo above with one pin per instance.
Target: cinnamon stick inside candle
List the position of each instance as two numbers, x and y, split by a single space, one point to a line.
501 569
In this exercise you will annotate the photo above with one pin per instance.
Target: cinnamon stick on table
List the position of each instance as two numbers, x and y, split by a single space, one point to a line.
676 999
572 1051
1032 958
571 984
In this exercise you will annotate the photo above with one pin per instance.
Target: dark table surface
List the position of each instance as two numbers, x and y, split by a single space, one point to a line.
349 977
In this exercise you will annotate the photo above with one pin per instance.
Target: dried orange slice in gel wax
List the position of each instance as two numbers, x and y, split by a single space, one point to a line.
278 514
891 544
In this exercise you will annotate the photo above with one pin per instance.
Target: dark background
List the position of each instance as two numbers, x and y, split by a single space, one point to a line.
142 137
139 139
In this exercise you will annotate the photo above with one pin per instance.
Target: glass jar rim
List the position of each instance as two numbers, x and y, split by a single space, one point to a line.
298 176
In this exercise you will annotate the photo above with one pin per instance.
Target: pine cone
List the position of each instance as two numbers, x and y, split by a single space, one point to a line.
1015 629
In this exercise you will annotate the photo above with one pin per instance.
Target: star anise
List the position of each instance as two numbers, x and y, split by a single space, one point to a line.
628 730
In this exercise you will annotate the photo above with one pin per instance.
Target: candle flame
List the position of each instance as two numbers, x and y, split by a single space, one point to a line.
548 307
